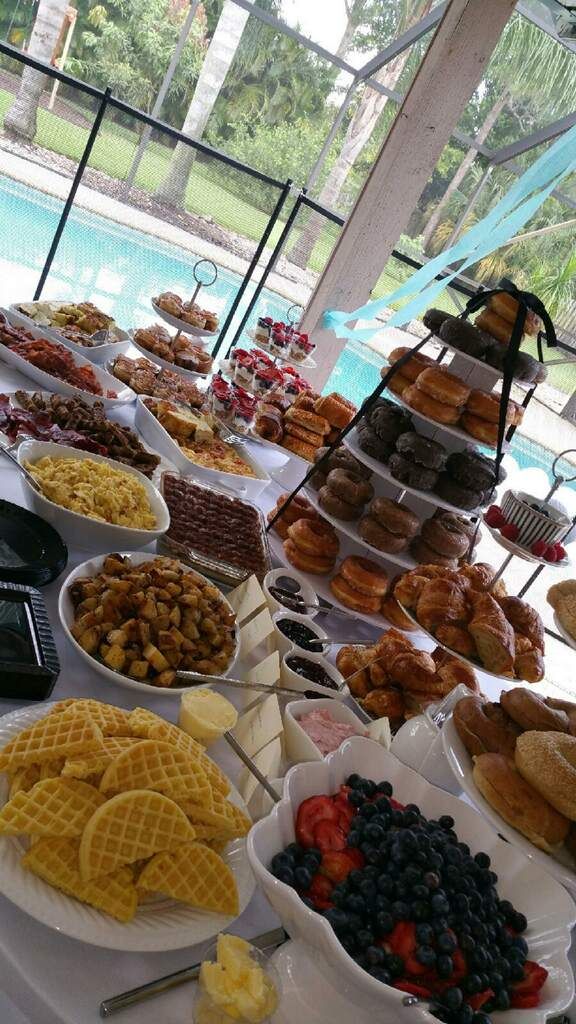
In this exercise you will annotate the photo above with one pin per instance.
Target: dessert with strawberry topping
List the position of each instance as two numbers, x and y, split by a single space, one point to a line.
411 904
263 328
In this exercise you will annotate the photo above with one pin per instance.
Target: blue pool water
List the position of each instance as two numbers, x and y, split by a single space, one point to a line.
120 268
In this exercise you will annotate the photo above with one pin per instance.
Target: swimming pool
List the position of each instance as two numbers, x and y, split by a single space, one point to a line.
120 268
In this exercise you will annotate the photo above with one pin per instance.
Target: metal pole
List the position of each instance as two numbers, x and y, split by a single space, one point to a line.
72 193
253 264
315 172
269 267
182 38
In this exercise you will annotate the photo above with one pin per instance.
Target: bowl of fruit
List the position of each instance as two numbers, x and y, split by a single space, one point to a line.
530 525
402 900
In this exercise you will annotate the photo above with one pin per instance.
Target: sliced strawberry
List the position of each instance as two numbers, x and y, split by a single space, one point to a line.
345 812
323 904
328 836
337 865
354 854
533 980
524 1002
550 553
413 966
396 805
320 888
310 812
402 939
460 966
405 985
477 1001
494 517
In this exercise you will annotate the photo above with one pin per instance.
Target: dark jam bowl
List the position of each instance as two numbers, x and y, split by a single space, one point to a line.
299 634
293 602
312 671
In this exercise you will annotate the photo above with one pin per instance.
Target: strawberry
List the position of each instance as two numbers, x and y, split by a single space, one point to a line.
337 864
478 1000
320 890
414 967
533 980
310 812
406 985
524 1002
560 552
402 939
550 553
510 531
328 836
396 805
538 548
493 517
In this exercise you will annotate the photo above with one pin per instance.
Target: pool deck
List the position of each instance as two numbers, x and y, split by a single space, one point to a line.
57 185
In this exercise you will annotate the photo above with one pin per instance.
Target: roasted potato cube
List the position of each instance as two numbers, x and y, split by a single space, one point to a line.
138 669
155 657
178 636
190 630
175 616
165 678
174 657
142 632
118 637
188 600
174 589
162 622
115 565
166 641
89 640
115 657
148 610
83 623
87 605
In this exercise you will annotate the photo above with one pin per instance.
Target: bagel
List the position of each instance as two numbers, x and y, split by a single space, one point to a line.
518 803
394 517
314 537
484 727
443 386
365 576
306 563
352 598
426 555
429 407
547 760
379 537
529 711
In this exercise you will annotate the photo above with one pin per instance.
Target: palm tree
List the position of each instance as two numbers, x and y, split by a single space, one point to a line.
219 57
359 130
21 116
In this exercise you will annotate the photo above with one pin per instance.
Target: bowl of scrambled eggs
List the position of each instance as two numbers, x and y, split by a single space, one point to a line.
95 503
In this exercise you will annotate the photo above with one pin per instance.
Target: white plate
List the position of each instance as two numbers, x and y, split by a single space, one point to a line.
437 340
381 469
155 434
66 613
560 866
158 926
340 991
455 431
95 353
564 632
348 528
308 363
473 664
166 364
47 382
523 553
181 325
80 531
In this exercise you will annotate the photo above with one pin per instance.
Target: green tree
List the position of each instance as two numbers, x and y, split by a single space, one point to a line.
20 118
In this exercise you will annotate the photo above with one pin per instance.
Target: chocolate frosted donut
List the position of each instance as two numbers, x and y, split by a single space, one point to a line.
411 474
422 450
443 535
396 518
465 337
472 469
389 421
456 494
434 318
372 445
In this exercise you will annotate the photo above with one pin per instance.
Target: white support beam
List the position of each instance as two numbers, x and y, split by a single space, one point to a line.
450 72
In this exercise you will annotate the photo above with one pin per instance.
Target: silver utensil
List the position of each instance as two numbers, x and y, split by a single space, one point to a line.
108 1007
330 641
25 472
101 337
320 609
247 760
241 684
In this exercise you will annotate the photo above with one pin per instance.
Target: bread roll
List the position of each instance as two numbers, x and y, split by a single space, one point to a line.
518 803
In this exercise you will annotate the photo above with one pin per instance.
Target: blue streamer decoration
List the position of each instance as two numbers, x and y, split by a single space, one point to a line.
504 221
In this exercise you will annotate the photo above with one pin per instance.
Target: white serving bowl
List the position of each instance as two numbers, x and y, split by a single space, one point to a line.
81 531
299 746
334 986
120 340
284 644
66 613
306 592
290 678
154 433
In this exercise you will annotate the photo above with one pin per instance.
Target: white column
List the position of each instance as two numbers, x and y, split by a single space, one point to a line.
448 75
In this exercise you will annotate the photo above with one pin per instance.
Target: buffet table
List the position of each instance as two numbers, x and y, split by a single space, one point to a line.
51 979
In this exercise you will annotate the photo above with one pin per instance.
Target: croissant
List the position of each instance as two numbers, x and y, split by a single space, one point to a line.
415 670
479 575
454 672
529 664
492 633
408 588
442 601
457 639
384 703
390 644
524 620
392 611
350 662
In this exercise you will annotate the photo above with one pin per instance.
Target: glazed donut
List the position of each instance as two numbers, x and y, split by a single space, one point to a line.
482 430
484 727
426 555
465 337
396 518
506 307
298 447
306 563
281 528
398 383
445 537
427 453
387 703
547 760
350 486
487 407
458 640
295 430
529 711
299 508
309 420
461 497
314 538
434 318
373 446
472 469
393 612
379 537
365 576
414 366
335 409
412 475
352 598
518 803
443 386
336 506
429 407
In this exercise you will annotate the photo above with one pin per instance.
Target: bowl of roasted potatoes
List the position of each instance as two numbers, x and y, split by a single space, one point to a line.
140 620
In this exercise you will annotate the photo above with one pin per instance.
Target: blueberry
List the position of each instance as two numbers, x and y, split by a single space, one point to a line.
355 879
453 998
440 1012
410 818
337 918
444 966
446 821
371 853
465 1015
354 780
381 974
501 1000
285 875
294 850
518 921
435 861
354 838
368 810
521 944
361 961
397 818
365 938
516 971
348 942
302 878
420 910
482 860
368 787
356 798
395 964
479 958
467 943
382 820
424 934
400 910
495 980
384 787
413 808
461 903
432 880
375 956
446 943
420 892
472 984
426 956
481 1018
413 877
382 805
384 923
355 922
386 885
355 904
281 861
439 925
439 904
308 903
312 860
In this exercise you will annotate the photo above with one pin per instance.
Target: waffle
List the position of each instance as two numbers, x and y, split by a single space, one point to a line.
95 762
159 766
23 779
194 874
111 720
222 815
51 769
150 726
55 860
55 807
129 827
50 737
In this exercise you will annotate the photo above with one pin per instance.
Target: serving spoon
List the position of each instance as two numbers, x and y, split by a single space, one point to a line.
25 472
